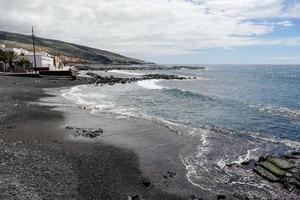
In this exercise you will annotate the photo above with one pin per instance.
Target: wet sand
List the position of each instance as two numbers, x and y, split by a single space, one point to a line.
40 159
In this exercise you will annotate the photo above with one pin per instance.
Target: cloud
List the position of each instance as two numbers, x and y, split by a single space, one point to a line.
293 11
285 23
150 27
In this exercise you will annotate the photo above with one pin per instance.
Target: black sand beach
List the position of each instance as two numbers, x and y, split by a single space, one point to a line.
40 160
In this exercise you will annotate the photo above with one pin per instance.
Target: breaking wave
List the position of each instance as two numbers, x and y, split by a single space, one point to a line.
150 84
126 72
210 150
188 94
284 111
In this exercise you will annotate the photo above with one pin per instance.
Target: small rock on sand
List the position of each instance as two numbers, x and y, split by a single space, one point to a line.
135 197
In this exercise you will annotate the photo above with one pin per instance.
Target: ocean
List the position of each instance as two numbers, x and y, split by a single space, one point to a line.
229 113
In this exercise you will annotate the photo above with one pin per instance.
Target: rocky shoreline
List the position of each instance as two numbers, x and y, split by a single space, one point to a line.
284 170
280 169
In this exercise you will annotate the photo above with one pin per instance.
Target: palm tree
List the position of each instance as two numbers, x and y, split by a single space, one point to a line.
11 56
4 58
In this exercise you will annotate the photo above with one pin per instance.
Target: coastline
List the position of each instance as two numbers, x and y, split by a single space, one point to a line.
53 147
38 162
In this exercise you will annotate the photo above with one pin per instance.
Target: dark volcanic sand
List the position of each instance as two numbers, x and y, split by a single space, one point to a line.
37 162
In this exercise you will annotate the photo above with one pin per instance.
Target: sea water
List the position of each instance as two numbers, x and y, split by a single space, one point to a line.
231 113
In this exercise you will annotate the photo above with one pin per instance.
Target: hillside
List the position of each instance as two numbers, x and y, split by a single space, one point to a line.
70 53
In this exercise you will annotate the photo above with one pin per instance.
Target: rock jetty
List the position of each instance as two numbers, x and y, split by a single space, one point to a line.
111 80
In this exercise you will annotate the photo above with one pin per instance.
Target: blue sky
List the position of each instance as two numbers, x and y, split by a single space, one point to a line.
254 54
168 31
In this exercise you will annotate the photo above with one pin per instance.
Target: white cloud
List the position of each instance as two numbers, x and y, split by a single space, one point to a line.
149 27
285 23
293 11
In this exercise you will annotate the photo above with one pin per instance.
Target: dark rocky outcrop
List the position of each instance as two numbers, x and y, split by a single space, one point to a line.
280 169
220 196
194 197
111 80
87 133
146 183
135 197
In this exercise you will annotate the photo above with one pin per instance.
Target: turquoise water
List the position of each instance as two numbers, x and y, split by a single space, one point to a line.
262 99
231 113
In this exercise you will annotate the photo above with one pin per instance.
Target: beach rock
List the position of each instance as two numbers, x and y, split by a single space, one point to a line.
171 174
87 133
146 183
296 153
295 182
282 164
272 168
266 174
135 197
220 196
194 197
281 169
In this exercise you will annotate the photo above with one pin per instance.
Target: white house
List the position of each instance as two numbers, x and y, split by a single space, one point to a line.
44 61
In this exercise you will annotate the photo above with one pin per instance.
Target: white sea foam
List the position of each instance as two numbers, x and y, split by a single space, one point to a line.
50 104
277 110
288 112
199 164
275 140
83 74
93 101
202 78
150 84
252 154
126 72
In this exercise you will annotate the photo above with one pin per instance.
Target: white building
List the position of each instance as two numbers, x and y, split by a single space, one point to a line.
44 61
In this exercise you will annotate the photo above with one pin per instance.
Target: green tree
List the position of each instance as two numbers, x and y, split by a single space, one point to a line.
11 56
24 63
3 58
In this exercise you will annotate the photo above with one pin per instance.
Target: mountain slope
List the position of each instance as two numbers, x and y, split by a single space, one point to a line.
69 52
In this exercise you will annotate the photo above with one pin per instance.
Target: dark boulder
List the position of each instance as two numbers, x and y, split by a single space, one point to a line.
220 196
135 197
146 183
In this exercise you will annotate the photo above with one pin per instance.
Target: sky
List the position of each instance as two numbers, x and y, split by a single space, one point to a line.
168 31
